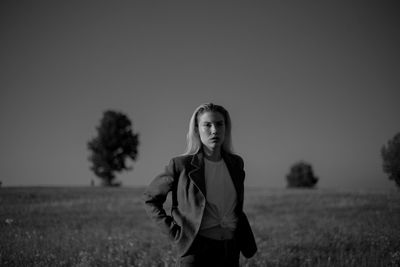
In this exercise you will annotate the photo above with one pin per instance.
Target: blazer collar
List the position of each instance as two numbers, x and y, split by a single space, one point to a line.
197 173
198 176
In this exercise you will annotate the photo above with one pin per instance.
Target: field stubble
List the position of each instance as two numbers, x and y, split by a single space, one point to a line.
109 227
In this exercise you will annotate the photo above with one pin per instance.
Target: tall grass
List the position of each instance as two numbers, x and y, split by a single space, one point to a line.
108 227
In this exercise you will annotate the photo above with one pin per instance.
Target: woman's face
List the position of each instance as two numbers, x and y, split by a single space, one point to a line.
211 128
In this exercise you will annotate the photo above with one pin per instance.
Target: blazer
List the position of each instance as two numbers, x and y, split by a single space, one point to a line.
184 177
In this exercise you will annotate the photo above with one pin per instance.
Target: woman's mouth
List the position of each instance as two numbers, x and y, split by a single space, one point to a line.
214 139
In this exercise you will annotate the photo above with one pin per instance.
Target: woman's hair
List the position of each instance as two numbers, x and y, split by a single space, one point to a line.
193 139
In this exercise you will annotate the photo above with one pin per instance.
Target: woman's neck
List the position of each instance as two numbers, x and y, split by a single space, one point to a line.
212 155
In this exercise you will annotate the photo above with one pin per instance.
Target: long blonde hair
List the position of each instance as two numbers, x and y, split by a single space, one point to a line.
194 144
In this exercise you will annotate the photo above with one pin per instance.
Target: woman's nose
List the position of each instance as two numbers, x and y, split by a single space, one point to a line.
213 129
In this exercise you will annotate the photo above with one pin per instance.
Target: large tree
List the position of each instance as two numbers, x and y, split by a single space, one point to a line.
301 175
114 144
391 159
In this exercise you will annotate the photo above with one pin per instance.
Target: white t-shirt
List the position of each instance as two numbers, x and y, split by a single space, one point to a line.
220 196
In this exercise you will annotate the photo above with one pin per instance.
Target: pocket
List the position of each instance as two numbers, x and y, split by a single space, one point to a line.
177 222
175 231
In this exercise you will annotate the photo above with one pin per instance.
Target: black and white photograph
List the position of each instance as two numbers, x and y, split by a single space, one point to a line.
200 133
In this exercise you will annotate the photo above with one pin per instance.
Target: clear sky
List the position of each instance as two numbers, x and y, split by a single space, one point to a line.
303 80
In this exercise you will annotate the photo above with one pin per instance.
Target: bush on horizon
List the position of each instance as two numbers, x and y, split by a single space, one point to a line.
301 175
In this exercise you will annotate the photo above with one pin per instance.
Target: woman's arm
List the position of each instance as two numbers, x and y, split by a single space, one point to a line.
155 196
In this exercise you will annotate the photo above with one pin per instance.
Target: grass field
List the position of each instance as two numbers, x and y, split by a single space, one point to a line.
108 227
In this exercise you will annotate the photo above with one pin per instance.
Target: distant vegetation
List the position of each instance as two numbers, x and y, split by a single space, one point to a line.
301 175
391 159
97 226
115 143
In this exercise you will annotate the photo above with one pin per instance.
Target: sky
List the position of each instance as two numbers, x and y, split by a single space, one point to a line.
317 81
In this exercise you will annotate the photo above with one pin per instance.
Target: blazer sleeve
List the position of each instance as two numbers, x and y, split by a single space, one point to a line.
154 198
245 236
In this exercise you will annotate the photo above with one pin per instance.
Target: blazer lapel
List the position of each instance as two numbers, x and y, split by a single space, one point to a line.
235 174
197 173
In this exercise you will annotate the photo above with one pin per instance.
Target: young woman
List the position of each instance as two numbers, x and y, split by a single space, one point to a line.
207 222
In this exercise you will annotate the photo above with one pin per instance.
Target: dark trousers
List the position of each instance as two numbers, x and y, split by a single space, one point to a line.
209 252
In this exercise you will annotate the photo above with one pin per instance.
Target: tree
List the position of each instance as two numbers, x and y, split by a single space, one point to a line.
301 175
114 144
391 159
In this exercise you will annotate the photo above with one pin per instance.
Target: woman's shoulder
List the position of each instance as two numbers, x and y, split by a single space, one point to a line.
182 160
235 156
237 159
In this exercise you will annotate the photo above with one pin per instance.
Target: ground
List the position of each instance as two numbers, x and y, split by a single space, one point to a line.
94 226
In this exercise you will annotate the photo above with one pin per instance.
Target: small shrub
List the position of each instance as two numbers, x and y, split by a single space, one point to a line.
301 175
391 159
